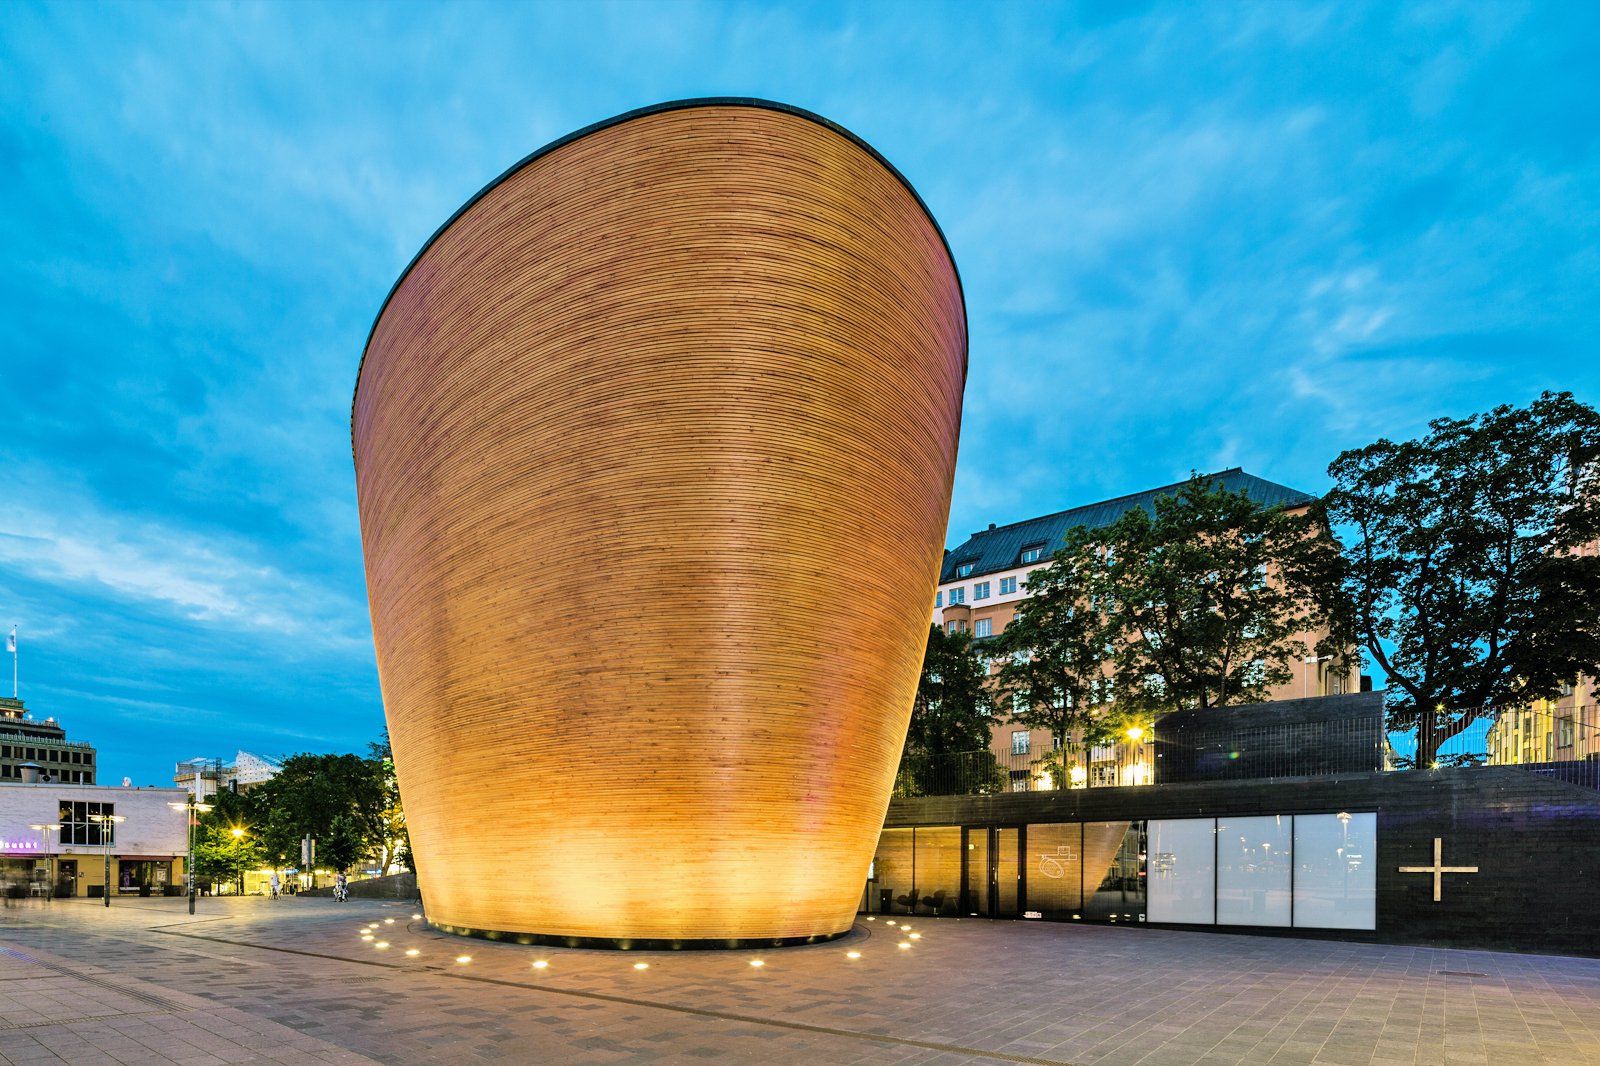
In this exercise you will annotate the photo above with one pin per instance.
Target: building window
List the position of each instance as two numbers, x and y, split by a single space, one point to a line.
958 626
1103 776
1564 729
1008 585
965 569
77 827
1019 742
980 591
938 599
958 596
983 627
1033 553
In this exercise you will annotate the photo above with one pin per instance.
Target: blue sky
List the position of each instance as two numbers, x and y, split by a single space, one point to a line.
1192 236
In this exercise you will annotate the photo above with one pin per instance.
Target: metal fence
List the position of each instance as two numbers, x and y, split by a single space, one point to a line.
1562 744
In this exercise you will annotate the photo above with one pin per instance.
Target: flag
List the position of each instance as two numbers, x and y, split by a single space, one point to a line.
11 641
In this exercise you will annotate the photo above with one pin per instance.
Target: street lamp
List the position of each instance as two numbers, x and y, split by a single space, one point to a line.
188 864
108 826
44 832
238 835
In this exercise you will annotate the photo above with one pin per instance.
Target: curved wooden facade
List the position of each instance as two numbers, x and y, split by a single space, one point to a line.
629 431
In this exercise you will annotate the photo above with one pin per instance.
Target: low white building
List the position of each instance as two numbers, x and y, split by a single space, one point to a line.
144 853
206 777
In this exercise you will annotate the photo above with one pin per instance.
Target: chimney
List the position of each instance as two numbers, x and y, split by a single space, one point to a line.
29 772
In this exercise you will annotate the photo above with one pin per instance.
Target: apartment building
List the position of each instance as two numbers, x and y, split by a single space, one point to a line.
985 579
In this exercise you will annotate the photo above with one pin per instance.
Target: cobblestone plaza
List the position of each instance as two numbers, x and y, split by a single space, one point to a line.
249 980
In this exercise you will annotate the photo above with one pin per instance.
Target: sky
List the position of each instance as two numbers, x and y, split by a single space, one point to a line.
1192 236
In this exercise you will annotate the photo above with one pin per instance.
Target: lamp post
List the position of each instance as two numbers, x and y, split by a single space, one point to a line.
108 826
190 808
44 832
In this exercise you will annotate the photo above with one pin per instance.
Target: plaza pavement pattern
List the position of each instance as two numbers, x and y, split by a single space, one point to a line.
294 981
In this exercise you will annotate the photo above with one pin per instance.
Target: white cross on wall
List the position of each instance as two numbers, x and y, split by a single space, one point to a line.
1438 869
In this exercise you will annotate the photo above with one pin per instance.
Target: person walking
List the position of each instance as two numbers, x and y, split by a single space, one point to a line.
276 884
341 888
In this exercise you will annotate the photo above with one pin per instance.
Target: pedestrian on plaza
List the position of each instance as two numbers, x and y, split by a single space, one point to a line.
341 888
276 884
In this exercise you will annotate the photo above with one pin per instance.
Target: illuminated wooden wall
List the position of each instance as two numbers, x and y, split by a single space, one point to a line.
654 444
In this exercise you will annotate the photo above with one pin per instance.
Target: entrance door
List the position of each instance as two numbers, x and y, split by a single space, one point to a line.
990 886
1007 877
66 877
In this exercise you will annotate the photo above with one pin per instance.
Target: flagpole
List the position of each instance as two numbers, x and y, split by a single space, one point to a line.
13 662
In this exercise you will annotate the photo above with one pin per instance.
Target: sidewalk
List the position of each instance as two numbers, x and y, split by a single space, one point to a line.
249 980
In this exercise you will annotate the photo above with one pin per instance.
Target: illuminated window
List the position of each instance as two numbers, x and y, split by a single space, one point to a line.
1020 742
983 627
980 591
1008 585
77 827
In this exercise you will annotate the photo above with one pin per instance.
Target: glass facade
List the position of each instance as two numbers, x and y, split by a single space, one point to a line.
1254 875
1307 871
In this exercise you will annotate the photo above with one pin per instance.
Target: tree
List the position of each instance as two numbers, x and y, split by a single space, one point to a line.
310 794
1460 562
225 845
947 742
1053 654
1204 598
396 848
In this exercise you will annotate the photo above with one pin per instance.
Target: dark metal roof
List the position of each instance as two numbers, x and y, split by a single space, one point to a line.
641 112
1001 547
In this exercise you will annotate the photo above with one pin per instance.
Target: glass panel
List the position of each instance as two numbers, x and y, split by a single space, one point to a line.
977 872
1183 871
1055 870
1007 872
1114 852
892 873
1335 871
938 869
1253 870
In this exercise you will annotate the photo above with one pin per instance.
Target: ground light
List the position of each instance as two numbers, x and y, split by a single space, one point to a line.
463 958
852 954
539 964
903 944
758 963
413 951
641 966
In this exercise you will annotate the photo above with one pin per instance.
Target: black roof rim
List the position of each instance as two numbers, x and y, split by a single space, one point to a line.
629 116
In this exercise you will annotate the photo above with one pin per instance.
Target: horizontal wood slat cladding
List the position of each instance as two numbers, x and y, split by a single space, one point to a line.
622 427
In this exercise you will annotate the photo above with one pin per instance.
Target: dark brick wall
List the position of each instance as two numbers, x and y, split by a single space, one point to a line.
1536 842
1322 735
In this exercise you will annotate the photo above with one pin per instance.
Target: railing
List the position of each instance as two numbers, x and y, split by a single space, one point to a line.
1560 743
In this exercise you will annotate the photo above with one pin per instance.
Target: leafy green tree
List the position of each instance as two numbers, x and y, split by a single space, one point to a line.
1205 596
342 846
1461 564
225 844
310 793
1053 655
396 847
947 743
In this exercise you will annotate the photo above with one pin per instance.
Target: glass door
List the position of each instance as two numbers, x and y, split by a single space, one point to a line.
1007 875
975 872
